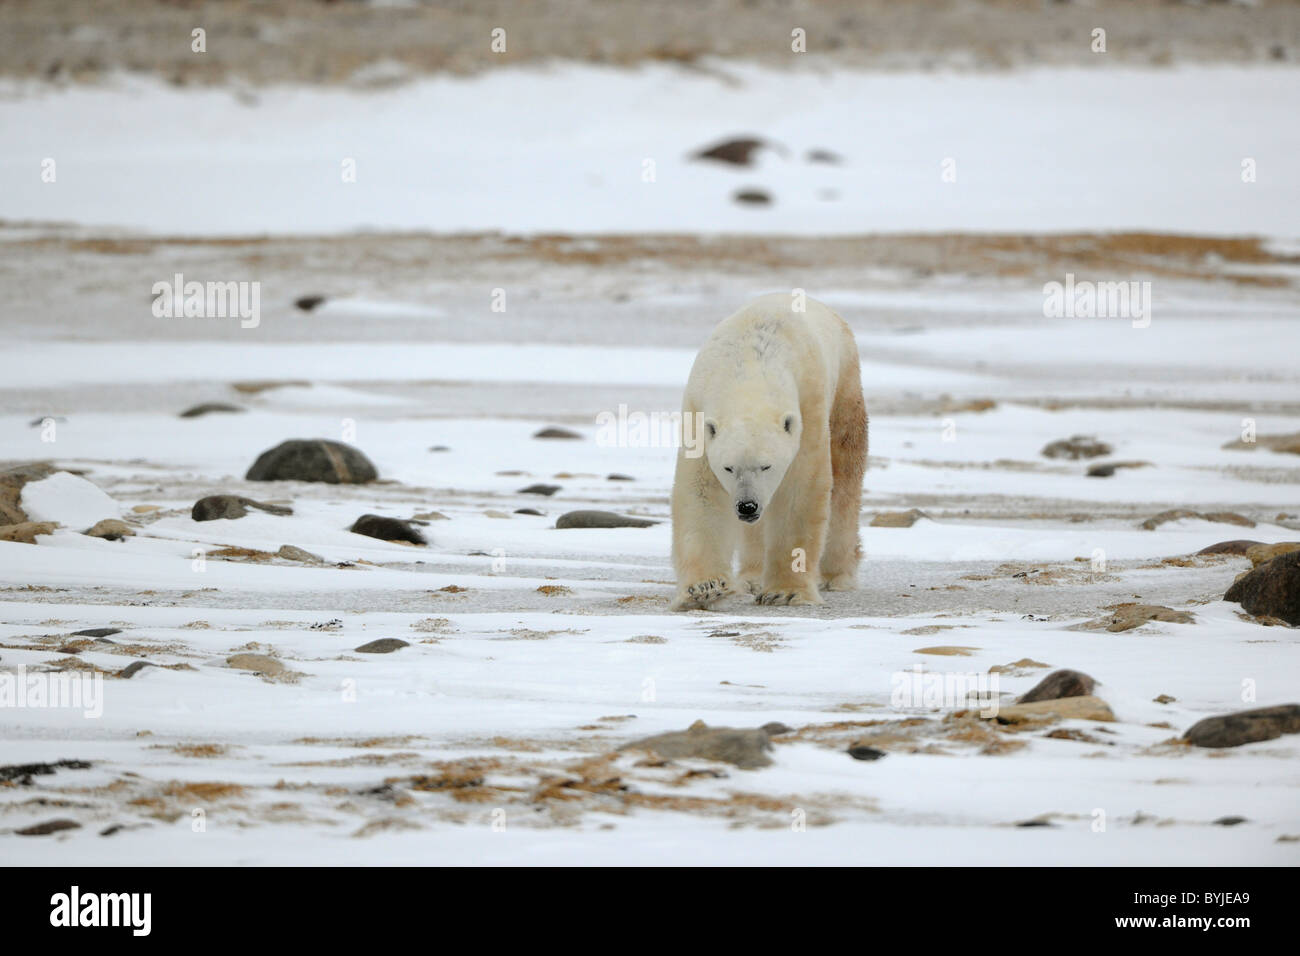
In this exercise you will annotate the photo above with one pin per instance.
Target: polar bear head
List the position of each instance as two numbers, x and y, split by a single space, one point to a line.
750 457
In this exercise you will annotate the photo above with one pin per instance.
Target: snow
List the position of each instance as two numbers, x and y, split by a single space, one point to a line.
71 501
1035 150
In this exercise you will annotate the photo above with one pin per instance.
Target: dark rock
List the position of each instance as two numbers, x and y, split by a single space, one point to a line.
215 507
385 645
314 459
387 529
747 749
528 511
97 632
21 773
1245 726
752 197
207 408
600 519
130 670
1229 821
308 302
734 152
439 448
1236 546
1075 447
775 729
557 433
42 419
539 490
823 156
863 752
1058 684
48 827
1107 469
1271 588
617 477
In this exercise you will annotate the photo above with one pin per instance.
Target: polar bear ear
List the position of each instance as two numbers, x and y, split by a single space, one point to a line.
711 427
789 423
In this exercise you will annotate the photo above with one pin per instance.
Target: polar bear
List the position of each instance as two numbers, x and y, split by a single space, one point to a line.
771 462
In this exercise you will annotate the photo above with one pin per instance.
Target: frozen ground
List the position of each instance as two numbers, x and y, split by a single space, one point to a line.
533 653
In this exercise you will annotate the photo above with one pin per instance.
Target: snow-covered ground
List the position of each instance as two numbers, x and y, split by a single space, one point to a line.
534 653
588 149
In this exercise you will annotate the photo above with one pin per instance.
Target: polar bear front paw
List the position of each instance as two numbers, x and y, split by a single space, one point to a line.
702 594
797 596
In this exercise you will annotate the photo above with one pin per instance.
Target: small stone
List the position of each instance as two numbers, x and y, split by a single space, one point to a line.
617 477
752 197
775 729
1271 589
746 749
1065 708
1078 446
529 511
733 152
1128 616
863 752
946 650
439 448
557 433
208 408
257 663
1230 821
430 516
823 156
97 632
600 519
547 490
130 670
1164 699
385 645
218 507
316 459
387 529
898 519
48 827
1059 684
111 529
292 552
1237 546
26 531
1107 469
1245 726
309 302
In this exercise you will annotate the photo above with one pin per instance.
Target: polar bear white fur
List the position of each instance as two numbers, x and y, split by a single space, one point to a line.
771 463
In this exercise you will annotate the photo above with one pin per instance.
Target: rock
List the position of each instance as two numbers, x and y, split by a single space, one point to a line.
257 663
97 632
430 516
27 531
528 511
309 302
617 477
539 490
823 156
493 513
600 519
557 433
215 507
291 552
48 827
12 481
130 670
1230 821
946 650
1128 616
1164 699
734 152
387 529
752 197
1106 469
863 752
314 459
1065 708
110 529
898 519
1075 447
69 499
775 728
1245 726
22 773
1177 514
1280 443
746 749
1236 546
208 408
1272 589
1060 684
1263 553
385 645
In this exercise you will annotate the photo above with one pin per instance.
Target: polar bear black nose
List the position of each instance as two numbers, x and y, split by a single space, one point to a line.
747 510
